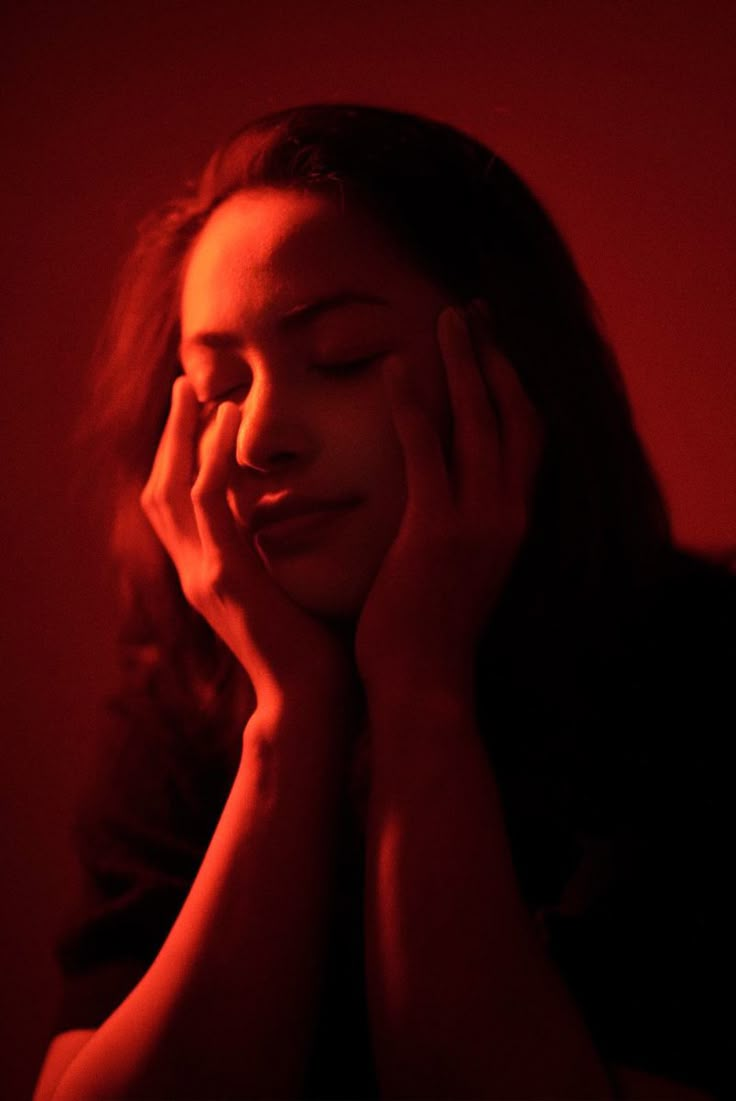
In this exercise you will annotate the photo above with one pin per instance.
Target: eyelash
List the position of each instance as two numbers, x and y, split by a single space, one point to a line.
348 367
345 368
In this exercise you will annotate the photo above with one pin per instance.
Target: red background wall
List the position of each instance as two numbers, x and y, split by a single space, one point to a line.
621 115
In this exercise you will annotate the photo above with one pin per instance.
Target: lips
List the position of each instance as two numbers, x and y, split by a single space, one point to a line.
291 516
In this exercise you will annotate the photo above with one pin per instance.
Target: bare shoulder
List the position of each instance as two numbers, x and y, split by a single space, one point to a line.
61 1051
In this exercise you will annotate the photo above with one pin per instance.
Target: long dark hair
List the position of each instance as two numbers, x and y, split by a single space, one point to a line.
599 526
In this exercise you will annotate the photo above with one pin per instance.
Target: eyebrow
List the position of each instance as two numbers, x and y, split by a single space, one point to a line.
298 316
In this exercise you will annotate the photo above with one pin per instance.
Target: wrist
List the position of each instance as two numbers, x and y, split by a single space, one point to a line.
398 707
416 739
298 741
329 690
421 682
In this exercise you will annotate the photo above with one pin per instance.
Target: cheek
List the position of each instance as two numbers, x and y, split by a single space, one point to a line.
369 441
363 432
370 454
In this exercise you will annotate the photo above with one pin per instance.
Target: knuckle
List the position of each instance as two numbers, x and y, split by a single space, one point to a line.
215 575
155 499
191 590
200 493
164 510
147 498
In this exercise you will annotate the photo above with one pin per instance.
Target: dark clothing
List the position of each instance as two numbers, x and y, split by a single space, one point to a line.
611 766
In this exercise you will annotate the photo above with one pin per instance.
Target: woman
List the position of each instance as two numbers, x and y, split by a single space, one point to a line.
393 796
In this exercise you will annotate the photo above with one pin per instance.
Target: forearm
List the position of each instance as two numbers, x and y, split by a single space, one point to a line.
463 1000
226 1008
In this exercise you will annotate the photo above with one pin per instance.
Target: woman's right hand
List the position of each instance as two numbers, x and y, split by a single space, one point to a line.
285 651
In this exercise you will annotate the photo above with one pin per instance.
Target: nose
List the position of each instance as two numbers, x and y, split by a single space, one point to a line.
274 429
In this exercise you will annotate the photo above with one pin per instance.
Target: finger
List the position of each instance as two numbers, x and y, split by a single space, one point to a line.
178 456
215 523
476 435
427 480
520 427
166 497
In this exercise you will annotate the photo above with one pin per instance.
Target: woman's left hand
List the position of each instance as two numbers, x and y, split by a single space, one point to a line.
464 520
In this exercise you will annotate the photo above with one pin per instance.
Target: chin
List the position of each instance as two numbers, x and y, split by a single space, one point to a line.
338 594
330 576
339 601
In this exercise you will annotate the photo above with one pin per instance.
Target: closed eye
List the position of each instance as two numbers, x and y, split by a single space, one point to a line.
349 366
340 369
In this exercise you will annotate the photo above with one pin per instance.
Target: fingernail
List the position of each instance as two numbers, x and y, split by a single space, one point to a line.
222 412
180 386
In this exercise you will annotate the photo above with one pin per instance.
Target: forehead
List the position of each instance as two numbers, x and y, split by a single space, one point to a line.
272 249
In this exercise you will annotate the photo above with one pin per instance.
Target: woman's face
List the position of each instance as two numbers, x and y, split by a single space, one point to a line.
289 307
